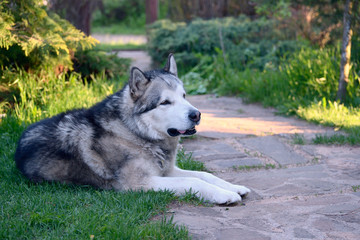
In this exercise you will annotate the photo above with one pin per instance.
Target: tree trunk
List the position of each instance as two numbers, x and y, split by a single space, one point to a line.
78 12
151 8
345 53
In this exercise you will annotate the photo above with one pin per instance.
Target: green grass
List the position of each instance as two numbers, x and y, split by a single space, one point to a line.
336 139
254 167
55 211
119 28
58 211
108 47
355 188
298 139
47 95
185 161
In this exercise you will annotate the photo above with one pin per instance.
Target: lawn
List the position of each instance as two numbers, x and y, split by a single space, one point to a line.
58 211
119 28
109 47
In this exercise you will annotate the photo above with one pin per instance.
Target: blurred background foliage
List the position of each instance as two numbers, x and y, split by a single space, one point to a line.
245 42
284 53
292 47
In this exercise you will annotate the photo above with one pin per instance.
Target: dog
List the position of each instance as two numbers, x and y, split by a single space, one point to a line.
127 141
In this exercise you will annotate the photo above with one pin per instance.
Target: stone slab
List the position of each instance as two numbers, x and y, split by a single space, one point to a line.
301 199
236 162
210 150
302 233
239 233
272 147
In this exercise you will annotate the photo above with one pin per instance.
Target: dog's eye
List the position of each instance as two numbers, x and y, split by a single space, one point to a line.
184 95
165 102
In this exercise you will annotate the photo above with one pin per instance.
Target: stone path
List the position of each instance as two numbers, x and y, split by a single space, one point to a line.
119 38
298 191
139 58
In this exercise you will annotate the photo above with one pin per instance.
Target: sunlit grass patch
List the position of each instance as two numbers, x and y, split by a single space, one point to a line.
335 115
45 96
331 114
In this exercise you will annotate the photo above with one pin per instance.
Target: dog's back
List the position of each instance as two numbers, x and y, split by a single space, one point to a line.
50 149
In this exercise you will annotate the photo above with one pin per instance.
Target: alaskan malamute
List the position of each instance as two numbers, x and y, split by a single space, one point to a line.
127 141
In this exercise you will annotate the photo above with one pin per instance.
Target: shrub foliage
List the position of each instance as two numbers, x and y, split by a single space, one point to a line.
90 62
246 43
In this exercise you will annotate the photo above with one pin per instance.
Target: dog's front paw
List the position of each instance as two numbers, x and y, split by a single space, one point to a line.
225 197
241 190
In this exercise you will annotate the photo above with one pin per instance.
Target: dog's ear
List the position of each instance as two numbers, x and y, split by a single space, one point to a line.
137 83
171 65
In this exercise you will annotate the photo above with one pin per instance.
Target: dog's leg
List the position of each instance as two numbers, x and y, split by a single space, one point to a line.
180 185
207 177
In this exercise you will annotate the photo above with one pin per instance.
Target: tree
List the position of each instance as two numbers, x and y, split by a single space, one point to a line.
345 53
151 8
78 12
318 21
32 38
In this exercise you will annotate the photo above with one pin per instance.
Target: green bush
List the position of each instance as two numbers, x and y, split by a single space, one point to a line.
91 62
246 43
213 74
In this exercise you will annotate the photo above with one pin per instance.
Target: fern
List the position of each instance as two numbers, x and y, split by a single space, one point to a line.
6 23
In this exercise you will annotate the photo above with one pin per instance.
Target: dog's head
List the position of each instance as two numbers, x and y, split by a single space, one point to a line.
160 107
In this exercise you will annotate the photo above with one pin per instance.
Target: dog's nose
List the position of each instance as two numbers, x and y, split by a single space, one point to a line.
194 116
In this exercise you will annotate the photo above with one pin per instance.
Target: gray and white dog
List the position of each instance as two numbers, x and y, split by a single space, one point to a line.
127 141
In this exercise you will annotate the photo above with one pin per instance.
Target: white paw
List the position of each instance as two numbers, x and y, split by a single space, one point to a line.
225 197
241 190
